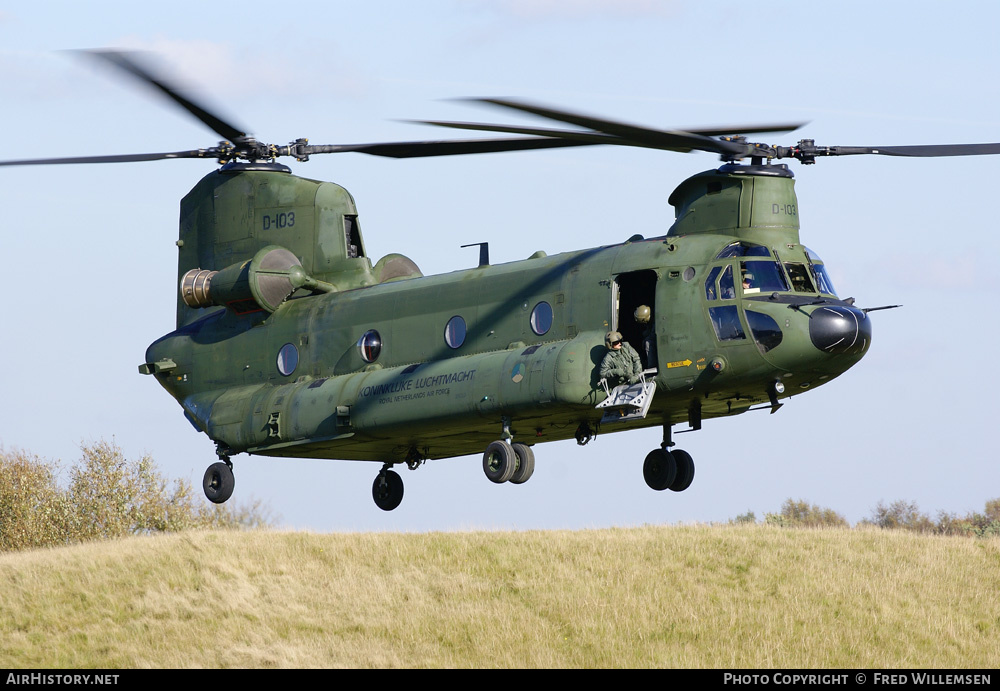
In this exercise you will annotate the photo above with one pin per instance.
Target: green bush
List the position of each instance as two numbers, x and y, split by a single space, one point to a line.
107 496
801 514
901 515
33 511
986 524
904 515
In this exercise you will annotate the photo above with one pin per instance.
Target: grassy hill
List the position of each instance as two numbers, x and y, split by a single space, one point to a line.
678 596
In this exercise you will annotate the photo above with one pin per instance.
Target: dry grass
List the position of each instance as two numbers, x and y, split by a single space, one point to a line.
700 596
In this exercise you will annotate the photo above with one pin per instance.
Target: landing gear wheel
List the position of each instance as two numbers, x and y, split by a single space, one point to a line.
685 470
659 469
525 464
387 490
499 462
219 482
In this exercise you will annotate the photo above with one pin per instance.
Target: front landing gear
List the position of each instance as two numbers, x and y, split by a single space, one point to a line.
673 470
504 461
685 470
387 490
525 463
499 462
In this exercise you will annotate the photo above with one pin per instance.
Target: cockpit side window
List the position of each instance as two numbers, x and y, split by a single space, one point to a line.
352 233
818 271
710 283
822 279
726 321
726 285
765 330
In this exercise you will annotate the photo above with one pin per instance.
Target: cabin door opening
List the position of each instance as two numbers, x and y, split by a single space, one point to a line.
632 290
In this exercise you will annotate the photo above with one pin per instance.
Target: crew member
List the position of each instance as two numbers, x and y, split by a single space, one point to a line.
621 364
643 318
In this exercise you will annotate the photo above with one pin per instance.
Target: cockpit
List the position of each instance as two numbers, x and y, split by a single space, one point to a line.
755 272
767 273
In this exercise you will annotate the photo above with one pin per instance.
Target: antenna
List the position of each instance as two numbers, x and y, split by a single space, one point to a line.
484 252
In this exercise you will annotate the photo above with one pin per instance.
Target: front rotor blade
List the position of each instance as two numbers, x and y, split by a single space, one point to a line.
589 137
680 139
444 148
642 136
807 151
932 150
120 158
668 141
127 62
746 129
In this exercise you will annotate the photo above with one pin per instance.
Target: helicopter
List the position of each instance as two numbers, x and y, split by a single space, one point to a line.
290 341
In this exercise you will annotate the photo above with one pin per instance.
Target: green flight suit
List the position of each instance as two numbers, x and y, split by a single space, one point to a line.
621 366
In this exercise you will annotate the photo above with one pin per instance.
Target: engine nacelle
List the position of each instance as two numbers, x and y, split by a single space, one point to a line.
264 282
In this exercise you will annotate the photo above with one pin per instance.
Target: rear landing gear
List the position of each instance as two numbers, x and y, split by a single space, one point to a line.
219 481
387 490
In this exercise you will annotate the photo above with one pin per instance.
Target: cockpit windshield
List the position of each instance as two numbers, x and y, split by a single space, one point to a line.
765 275
742 249
818 271
799 276
762 277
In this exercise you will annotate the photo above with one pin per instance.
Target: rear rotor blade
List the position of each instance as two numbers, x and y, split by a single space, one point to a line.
128 63
420 149
120 158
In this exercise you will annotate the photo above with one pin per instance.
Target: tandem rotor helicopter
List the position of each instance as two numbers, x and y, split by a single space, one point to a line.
291 342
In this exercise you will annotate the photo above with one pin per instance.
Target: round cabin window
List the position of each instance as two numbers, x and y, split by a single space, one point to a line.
288 359
370 345
541 318
454 333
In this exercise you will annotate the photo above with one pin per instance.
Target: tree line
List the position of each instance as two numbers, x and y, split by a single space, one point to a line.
898 515
104 495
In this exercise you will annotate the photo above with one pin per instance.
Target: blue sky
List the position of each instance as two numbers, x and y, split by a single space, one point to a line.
89 258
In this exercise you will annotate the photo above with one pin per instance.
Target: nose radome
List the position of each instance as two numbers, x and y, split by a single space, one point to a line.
840 329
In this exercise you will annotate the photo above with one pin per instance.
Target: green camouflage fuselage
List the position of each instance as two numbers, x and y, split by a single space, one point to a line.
301 380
